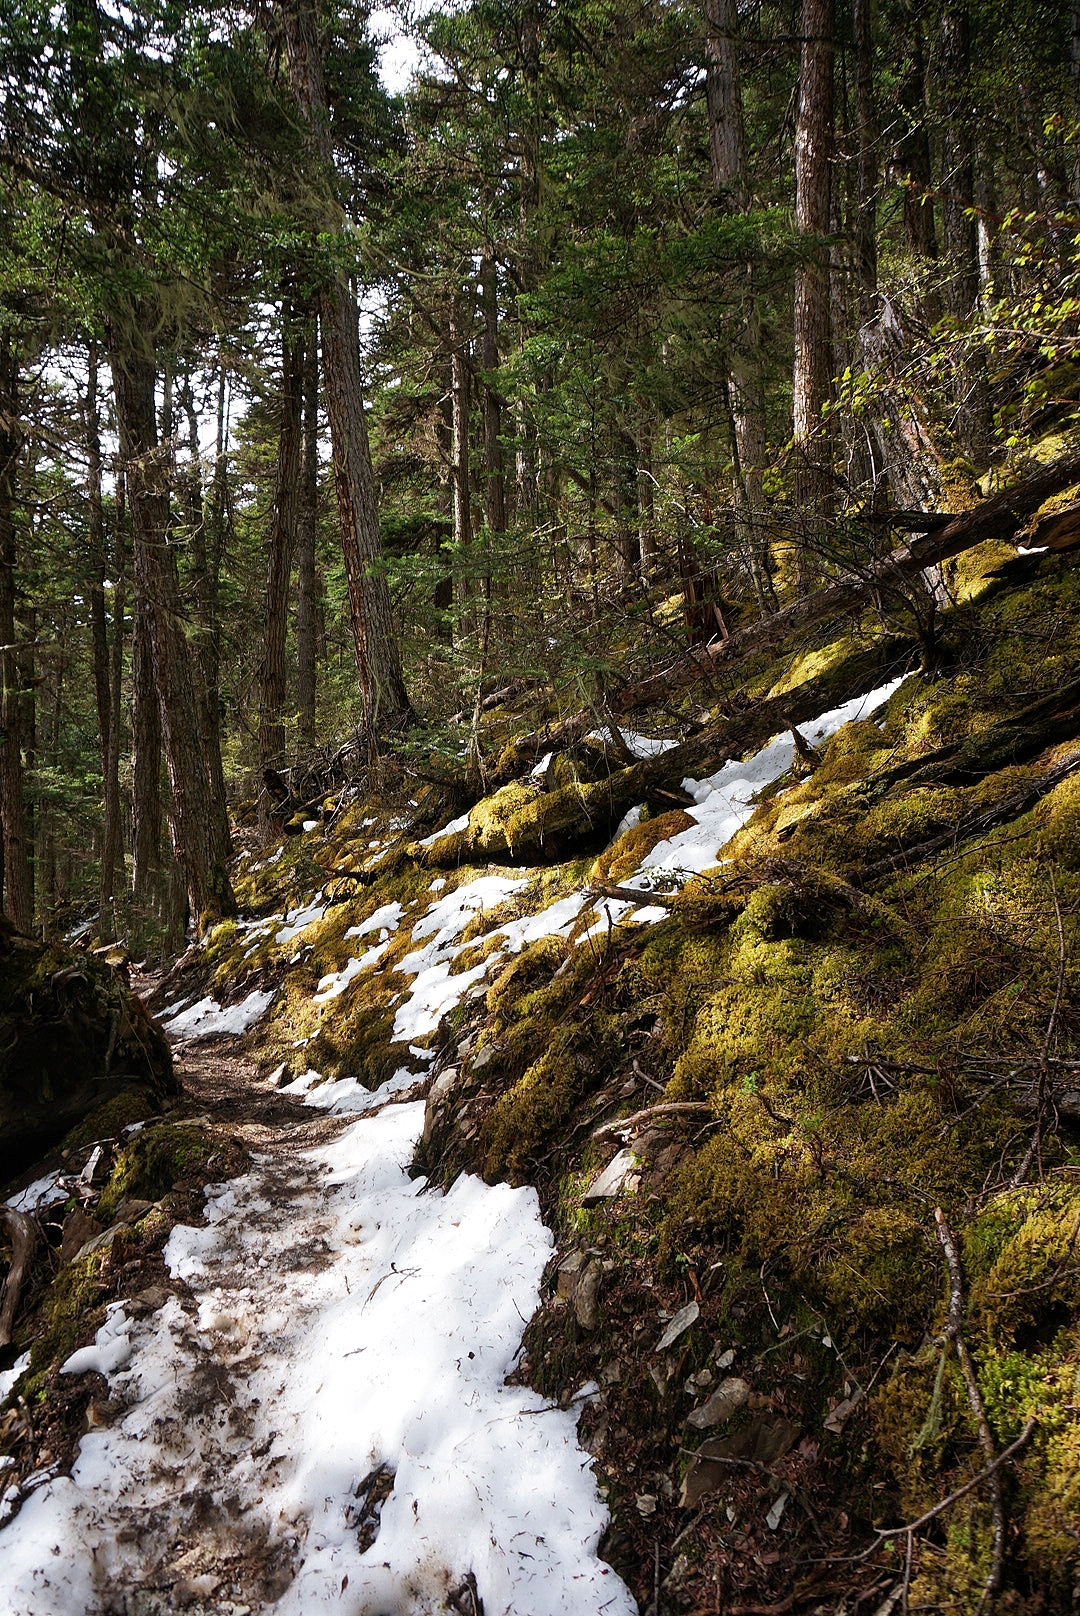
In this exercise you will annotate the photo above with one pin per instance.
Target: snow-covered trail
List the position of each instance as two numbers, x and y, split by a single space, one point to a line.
327 1428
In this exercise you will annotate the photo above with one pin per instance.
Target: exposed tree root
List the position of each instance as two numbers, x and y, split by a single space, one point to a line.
24 1237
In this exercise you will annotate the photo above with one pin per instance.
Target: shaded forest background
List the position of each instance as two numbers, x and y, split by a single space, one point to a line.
330 419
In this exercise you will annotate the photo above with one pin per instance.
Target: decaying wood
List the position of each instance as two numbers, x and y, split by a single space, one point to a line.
653 1113
1057 530
23 1234
513 825
1010 807
999 517
601 889
955 1332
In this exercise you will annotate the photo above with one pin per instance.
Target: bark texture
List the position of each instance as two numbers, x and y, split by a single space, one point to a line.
206 882
18 875
283 523
386 703
813 157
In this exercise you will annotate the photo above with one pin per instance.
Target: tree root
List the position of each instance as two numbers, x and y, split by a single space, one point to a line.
24 1238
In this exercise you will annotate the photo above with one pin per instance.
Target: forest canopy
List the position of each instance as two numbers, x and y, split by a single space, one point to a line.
330 415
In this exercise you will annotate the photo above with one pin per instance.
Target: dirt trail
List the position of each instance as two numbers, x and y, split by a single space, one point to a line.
313 1415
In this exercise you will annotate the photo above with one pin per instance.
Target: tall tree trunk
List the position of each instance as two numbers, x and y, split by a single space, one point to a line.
146 810
730 175
866 114
494 486
18 881
215 526
813 154
386 703
961 237
104 661
206 882
459 428
283 522
307 583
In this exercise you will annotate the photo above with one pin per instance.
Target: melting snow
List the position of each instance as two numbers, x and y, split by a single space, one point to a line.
448 830
297 919
345 1097
206 1018
41 1193
387 918
8 1377
639 746
345 1321
725 801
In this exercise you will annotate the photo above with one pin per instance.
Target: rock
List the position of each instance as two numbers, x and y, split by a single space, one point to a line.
568 1274
79 1228
726 1400
586 1294
72 1036
646 1504
147 1301
684 1318
606 1185
764 1440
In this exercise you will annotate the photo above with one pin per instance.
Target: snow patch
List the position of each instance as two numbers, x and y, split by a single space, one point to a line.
345 1321
206 1018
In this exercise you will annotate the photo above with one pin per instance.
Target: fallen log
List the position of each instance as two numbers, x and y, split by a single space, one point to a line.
976 824
24 1237
521 820
999 517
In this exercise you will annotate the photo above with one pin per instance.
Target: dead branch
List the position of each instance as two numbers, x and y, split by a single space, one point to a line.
986 1440
601 889
682 1108
1010 807
24 1237
996 518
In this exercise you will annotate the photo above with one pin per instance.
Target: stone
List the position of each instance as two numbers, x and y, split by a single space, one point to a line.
586 1294
684 1318
763 1440
726 1400
611 1182
568 1272
79 1228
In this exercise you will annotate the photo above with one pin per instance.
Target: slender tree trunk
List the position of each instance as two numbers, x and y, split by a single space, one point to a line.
18 881
961 237
813 154
206 881
283 522
494 487
215 527
730 175
459 428
866 114
386 703
104 660
307 583
145 757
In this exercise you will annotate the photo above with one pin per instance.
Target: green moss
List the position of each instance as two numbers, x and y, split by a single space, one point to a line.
73 1307
108 1121
152 1162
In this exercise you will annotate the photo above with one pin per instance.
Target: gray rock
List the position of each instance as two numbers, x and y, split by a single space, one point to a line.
684 1318
611 1182
586 1295
727 1399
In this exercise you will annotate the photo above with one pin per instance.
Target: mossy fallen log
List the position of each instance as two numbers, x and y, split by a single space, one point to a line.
999 517
523 822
